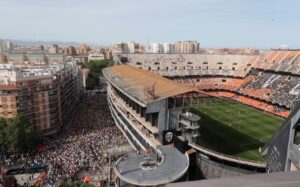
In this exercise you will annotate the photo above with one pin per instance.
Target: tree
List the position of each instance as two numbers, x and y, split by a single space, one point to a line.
18 135
3 125
95 72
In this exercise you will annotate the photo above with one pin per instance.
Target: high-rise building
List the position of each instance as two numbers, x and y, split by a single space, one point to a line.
187 47
5 46
168 48
120 48
84 49
131 46
156 48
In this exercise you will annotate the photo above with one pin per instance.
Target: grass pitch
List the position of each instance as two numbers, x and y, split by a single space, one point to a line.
233 128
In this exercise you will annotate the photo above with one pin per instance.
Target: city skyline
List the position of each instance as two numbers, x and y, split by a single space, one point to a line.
256 24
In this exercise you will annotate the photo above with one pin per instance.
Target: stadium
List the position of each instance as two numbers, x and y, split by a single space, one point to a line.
229 115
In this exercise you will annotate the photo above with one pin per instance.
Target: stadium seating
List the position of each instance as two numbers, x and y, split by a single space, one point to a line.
279 61
173 65
210 83
269 81
276 88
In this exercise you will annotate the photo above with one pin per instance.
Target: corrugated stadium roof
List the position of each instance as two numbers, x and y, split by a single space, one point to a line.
144 86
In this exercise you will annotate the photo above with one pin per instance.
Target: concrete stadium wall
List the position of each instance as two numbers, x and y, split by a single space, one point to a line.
211 169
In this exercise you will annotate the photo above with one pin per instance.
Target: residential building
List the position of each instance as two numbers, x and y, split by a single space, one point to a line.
71 51
187 47
131 46
156 48
5 46
54 49
168 48
84 49
44 93
95 56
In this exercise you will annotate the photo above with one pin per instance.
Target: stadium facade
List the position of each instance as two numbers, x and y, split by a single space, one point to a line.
145 116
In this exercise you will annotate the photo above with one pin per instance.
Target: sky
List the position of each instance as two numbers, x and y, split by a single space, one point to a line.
214 23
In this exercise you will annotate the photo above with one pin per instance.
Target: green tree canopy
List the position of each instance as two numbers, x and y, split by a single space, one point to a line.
3 125
96 68
17 135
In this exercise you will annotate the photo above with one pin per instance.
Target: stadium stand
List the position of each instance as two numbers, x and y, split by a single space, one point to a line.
279 61
276 88
172 65
269 81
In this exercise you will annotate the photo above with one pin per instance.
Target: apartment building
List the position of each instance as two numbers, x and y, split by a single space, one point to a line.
187 47
44 94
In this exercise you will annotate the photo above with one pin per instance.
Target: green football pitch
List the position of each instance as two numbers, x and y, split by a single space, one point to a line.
234 129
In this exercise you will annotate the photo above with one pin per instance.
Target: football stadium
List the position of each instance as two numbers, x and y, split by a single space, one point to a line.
237 129
222 114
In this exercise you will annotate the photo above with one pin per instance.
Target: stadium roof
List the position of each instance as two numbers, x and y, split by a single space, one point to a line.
143 86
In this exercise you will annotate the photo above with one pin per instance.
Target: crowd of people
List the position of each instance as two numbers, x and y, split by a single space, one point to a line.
81 146
273 87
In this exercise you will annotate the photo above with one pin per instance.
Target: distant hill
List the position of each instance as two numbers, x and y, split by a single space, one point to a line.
48 43
27 42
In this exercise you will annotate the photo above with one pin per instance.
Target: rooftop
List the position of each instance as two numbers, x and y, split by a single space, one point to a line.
143 86
173 165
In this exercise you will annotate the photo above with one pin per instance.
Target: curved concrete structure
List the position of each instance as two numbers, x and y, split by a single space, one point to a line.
171 166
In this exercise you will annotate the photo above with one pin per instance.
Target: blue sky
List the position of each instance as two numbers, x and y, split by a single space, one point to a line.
214 23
